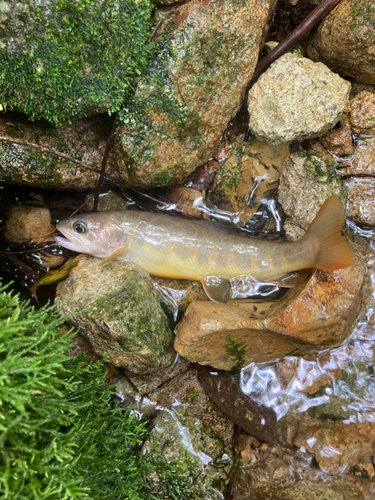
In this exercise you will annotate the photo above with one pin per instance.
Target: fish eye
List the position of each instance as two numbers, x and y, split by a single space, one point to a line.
80 226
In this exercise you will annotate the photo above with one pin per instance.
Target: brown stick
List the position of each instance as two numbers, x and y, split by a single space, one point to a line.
294 36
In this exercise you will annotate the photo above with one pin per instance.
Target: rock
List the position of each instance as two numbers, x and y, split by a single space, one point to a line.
362 162
208 52
117 309
296 99
109 200
255 419
190 432
129 385
278 473
23 165
306 181
201 179
185 200
249 175
52 56
339 142
28 224
345 40
326 305
337 446
360 200
176 294
360 113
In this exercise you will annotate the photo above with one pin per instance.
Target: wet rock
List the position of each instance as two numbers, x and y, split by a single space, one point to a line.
339 142
337 446
255 419
278 473
345 39
52 56
109 200
199 78
27 224
117 309
306 181
22 165
326 305
360 113
190 430
129 385
176 295
248 176
363 160
201 179
360 200
296 99
185 200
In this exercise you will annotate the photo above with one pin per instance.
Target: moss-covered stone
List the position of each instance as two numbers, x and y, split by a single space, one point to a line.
116 307
71 58
195 84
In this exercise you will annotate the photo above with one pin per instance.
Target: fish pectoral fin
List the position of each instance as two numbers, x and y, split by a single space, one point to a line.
216 289
287 280
118 254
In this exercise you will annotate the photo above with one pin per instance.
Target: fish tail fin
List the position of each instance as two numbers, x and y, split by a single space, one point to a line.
334 251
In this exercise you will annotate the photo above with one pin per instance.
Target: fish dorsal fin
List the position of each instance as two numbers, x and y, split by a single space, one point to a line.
119 254
218 226
287 280
216 289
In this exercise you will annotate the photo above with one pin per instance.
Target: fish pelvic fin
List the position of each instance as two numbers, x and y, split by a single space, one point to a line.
334 251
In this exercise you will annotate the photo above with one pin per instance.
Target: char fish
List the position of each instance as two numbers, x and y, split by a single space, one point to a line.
187 249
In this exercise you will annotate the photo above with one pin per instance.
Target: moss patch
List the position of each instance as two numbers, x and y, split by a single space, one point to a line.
72 58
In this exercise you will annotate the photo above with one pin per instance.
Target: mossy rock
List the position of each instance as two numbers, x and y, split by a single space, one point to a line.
71 58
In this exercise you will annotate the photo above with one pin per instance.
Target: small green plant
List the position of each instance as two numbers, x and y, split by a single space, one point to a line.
237 350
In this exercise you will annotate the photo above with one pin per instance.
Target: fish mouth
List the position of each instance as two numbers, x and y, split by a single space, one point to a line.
64 242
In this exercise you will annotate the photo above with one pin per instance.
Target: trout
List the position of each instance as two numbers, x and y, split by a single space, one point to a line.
188 249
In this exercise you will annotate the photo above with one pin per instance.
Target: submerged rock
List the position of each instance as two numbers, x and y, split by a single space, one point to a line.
206 57
247 177
23 165
345 40
296 99
339 142
117 309
190 432
314 314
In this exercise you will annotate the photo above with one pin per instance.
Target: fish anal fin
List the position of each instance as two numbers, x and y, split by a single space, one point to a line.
119 254
287 280
216 289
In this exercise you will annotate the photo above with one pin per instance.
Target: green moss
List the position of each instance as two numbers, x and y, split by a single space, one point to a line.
191 395
231 173
76 58
319 166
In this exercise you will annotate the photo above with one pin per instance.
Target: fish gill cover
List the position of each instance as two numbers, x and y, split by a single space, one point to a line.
67 59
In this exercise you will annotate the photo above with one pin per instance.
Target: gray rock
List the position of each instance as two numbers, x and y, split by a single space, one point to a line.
306 181
117 309
208 52
296 99
345 40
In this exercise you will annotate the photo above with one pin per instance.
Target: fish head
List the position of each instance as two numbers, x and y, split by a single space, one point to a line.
98 234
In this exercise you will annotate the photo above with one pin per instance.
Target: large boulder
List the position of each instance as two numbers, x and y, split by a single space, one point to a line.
70 59
206 57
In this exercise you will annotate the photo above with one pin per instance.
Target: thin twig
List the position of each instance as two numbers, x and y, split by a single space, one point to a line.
104 164
294 36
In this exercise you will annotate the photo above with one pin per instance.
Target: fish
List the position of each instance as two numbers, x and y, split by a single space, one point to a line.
172 247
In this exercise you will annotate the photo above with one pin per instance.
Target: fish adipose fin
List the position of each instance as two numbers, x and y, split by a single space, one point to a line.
334 251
